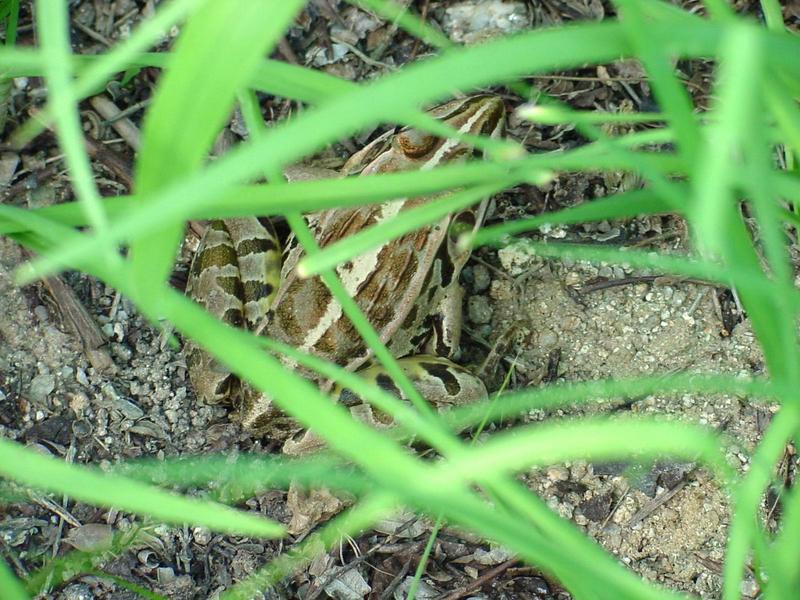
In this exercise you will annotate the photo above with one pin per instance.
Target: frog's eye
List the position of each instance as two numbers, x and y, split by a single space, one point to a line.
415 143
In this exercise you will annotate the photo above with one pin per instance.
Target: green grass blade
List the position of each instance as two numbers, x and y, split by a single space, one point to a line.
18 62
570 394
406 20
172 204
10 586
61 569
594 439
669 92
351 522
392 466
747 496
394 94
773 15
193 100
32 469
53 32
233 482
786 546
716 214
624 205
376 235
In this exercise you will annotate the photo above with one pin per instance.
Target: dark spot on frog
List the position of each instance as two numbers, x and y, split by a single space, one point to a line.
233 316
255 245
445 375
255 290
232 286
387 384
220 255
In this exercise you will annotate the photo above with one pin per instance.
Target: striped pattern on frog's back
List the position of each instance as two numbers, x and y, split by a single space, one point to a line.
387 281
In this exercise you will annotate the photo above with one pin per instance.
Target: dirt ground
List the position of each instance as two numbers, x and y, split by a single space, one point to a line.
559 321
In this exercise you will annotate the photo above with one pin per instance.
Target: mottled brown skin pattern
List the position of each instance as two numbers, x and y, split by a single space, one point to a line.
386 295
408 288
300 303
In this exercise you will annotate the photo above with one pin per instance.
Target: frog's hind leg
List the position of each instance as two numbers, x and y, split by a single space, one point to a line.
215 284
258 254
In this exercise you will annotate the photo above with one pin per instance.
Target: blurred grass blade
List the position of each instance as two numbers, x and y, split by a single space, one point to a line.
10 587
787 545
672 97
608 391
61 569
624 205
53 23
31 468
351 522
716 214
748 493
594 439
394 94
388 463
773 15
248 475
376 235
245 201
193 100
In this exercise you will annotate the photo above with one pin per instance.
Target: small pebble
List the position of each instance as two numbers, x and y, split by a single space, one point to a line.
77 591
479 310
41 313
480 278
40 387
548 339
557 473
201 535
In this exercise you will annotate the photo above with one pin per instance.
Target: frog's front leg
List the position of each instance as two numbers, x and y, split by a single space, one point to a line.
446 323
440 381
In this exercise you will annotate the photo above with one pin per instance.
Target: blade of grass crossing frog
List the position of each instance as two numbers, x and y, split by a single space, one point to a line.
402 91
318 195
220 47
237 201
375 235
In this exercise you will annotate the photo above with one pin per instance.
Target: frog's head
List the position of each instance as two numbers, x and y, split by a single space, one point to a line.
476 115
